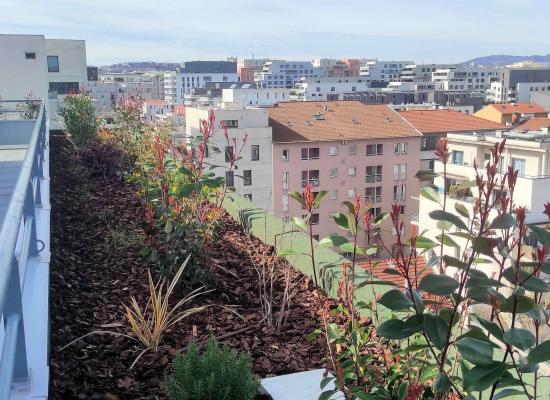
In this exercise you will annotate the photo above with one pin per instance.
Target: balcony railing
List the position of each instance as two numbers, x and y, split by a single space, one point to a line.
19 245
373 178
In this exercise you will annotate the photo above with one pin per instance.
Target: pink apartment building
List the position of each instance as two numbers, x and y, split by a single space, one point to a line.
346 148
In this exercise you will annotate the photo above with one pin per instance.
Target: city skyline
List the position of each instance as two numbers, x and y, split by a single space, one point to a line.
164 32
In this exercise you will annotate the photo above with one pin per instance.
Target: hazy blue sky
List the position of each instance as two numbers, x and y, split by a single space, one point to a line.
180 30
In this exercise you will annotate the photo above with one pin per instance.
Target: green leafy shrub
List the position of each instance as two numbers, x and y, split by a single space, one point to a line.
217 374
79 118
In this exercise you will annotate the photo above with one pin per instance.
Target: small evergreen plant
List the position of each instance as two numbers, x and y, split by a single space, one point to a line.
216 374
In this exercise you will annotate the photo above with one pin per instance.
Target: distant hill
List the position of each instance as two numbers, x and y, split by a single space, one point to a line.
141 66
504 59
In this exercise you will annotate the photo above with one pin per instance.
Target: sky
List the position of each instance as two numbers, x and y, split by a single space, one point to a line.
184 30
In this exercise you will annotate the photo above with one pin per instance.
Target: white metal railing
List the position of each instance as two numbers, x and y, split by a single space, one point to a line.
19 230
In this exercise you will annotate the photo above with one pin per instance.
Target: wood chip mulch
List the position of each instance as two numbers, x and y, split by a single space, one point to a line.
97 233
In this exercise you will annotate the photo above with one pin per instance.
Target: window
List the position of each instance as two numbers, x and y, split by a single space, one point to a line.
399 172
374 149
373 194
285 155
311 176
57 88
352 150
400 148
285 180
332 89
375 211
53 63
501 167
228 153
458 157
248 196
285 202
402 210
518 164
428 143
352 171
374 174
333 150
285 219
333 194
333 172
399 192
255 152
313 219
229 178
230 123
351 193
247 177
311 153
30 56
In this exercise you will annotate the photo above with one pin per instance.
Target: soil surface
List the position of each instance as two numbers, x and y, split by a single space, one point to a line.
97 234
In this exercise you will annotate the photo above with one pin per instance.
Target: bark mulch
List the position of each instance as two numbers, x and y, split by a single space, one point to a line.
97 234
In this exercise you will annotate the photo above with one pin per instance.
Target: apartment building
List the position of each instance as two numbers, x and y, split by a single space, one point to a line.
383 72
346 148
420 72
505 87
434 124
249 95
526 152
153 109
524 90
246 68
328 87
335 67
143 85
465 78
32 66
195 75
511 114
285 74
253 178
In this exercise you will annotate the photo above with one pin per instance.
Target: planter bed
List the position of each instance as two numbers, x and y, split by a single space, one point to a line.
97 234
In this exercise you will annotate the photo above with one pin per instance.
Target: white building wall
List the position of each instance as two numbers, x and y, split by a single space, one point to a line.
285 74
320 88
525 90
254 122
256 97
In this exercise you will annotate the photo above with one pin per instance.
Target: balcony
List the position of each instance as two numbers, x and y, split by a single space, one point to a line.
24 250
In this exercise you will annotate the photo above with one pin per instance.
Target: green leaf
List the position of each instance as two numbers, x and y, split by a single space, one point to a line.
523 304
507 393
541 234
325 381
341 220
530 283
326 395
426 175
290 252
423 242
475 351
395 300
347 247
168 227
442 383
363 396
402 390
454 262
333 240
441 285
481 377
462 210
299 222
540 353
520 338
319 197
484 245
491 327
503 221
381 217
392 329
430 194
436 329
333 332
413 324
186 190
441 215
446 240
298 197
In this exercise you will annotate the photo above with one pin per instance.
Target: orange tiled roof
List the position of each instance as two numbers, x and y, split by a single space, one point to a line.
378 270
444 121
336 120
533 124
524 108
